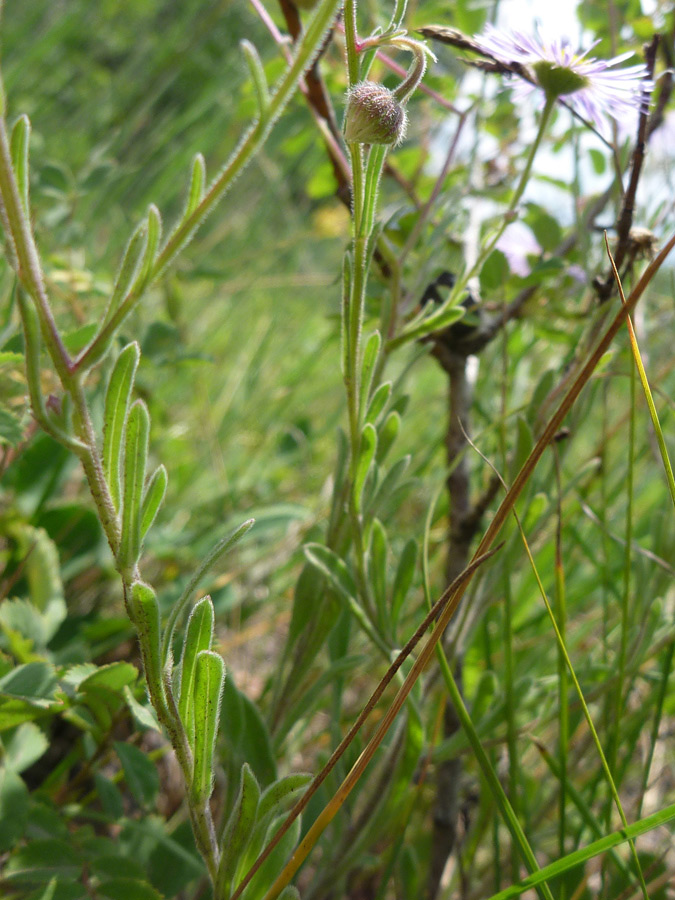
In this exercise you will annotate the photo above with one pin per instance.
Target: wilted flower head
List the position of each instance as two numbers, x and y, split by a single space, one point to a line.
593 87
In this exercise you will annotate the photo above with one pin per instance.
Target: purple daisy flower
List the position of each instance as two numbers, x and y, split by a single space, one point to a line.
593 87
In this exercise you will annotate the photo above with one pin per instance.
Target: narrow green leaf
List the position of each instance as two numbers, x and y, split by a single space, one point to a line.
154 230
152 498
238 829
197 185
116 408
268 871
19 147
134 254
405 573
221 547
327 562
33 342
258 75
370 354
437 321
144 613
135 459
336 570
198 637
387 434
209 681
366 457
280 793
377 569
378 401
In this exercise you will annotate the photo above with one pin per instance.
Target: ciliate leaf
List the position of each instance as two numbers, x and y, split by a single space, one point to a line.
198 637
33 344
144 612
387 434
238 829
378 401
281 793
197 184
377 568
152 498
116 408
366 457
19 148
258 75
209 681
135 458
370 354
129 267
154 229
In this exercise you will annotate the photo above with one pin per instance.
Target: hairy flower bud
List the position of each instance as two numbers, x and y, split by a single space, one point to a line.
374 115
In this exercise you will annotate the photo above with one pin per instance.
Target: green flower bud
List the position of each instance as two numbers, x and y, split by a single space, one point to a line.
374 115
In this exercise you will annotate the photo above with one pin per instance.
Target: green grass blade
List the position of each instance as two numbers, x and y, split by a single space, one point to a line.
560 866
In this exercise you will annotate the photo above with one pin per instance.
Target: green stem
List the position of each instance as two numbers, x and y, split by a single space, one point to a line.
29 269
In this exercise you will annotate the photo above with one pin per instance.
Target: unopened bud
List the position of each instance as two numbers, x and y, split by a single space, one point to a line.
374 115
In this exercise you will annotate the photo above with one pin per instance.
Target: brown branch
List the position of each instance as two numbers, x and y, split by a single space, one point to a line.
605 288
